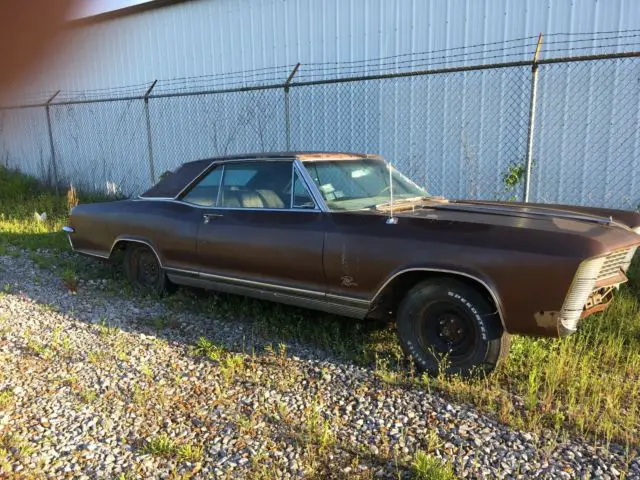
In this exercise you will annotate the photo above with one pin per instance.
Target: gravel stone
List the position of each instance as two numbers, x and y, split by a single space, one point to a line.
99 378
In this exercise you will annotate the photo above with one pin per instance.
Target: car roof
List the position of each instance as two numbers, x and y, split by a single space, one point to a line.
188 171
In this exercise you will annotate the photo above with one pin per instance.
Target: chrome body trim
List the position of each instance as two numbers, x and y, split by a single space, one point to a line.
293 183
215 162
311 186
298 162
256 283
288 298
494 295
349 299
171 200
90 253
296 167
219 194
140 197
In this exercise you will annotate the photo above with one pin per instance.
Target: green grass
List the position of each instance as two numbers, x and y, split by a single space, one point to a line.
164 446
426 467
206 348
6 399
588 383
88 395
20 198
160 446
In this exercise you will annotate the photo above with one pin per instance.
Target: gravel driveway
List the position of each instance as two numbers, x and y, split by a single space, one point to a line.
102 385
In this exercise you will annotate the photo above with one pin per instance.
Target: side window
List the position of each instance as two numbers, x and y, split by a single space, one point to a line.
301 196
205 193
256 184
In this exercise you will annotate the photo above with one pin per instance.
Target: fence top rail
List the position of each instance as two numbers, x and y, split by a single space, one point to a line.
292 84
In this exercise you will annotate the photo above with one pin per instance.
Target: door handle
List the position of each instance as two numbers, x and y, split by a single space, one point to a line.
210 216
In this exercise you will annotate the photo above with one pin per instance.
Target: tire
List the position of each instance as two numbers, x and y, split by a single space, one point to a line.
143 270
448 326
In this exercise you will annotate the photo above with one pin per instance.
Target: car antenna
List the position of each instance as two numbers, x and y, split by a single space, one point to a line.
391 220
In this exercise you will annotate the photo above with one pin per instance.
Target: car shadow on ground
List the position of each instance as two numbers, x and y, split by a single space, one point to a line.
300 350
81 280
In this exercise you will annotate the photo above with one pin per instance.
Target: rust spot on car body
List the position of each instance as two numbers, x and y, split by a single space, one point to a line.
347 281
547 320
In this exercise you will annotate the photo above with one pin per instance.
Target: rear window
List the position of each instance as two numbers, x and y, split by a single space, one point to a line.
174 182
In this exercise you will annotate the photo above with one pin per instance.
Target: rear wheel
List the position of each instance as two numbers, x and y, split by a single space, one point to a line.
447 325
143 270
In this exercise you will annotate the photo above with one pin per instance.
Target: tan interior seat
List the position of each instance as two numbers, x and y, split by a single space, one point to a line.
230 199
251 200
270 199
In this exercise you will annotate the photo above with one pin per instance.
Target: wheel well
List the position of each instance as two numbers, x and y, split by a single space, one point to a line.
119 248
388 300
117 252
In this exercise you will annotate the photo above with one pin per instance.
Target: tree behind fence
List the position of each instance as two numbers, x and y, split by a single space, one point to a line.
460 132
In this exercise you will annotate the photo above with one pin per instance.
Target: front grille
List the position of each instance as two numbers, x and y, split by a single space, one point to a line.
616 261
589 272
578 294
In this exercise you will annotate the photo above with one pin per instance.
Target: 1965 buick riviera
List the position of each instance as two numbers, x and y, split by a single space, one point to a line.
348 234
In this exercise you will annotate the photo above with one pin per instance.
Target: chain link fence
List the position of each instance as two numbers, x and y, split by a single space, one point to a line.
462 131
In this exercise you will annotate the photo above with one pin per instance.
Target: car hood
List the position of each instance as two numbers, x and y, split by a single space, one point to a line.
551 227
621 218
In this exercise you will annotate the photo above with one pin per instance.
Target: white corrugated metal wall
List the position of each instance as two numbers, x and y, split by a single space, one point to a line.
202 37
455 133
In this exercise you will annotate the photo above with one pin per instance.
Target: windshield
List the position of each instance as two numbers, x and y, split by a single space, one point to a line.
360 183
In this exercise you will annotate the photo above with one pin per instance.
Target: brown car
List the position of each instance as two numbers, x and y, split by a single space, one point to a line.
347 234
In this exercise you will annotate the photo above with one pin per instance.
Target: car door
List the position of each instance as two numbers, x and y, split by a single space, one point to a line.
263 230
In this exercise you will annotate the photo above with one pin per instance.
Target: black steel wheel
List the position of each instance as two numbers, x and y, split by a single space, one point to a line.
447 325
143 270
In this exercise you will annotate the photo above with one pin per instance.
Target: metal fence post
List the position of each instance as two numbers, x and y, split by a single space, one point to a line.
54 165
532 120
152 168
287 118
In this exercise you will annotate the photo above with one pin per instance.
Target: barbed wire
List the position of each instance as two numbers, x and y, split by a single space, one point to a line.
517 49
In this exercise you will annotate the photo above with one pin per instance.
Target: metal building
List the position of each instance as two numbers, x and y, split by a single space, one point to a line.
457 133
174 39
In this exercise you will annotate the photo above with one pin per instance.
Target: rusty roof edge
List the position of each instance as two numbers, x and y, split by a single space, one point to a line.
300 155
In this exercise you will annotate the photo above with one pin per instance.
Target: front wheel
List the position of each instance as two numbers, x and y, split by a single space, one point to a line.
448 326
143 270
